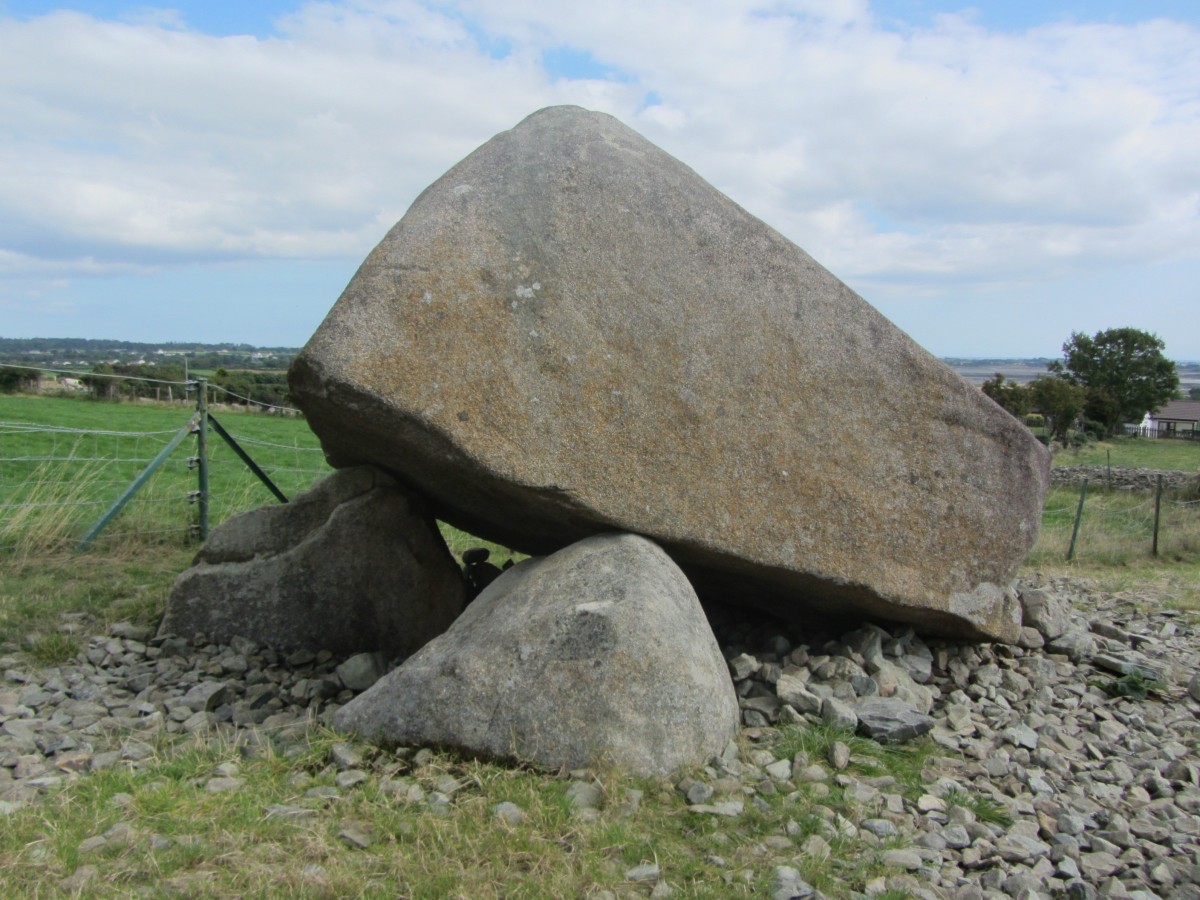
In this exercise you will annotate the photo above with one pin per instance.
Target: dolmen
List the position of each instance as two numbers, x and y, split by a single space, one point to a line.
571 333
573 346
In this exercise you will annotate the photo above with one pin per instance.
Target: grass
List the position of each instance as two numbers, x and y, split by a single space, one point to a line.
55 484
904 762
63 461
986 809
1115 541
1135 685
82 593
1135 453
169 834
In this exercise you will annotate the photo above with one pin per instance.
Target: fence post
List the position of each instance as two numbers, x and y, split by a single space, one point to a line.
1078 516
1157 509
245 457
135 486
202 452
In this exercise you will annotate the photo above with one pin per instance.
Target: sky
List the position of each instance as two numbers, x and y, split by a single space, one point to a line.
992 177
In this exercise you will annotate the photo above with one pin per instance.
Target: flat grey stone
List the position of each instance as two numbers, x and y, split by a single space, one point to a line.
786 884
206 696
890 720
509 813
729 808
585 795
838 714
362 670
1021 848
1045 612
646 872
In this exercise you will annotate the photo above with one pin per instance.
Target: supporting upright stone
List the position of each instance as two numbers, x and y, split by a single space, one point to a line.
598 655
354 564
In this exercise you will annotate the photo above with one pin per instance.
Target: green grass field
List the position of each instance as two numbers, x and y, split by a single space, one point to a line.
1114 545
63 461
1135 453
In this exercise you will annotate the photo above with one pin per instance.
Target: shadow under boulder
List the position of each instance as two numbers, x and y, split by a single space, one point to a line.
356 563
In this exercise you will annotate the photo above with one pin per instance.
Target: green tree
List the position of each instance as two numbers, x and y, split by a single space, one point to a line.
1059 401
14 380
1011 396
1123 371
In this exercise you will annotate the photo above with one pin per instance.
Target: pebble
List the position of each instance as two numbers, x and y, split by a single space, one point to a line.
509 812
1045 783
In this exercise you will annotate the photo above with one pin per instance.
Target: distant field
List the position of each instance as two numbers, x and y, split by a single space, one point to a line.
1135 453
64 460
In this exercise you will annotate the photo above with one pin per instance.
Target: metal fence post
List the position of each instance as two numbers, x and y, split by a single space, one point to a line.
202 453
135 486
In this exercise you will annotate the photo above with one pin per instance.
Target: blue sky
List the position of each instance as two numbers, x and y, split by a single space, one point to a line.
992 177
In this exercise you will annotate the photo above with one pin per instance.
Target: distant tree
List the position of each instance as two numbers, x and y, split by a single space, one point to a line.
100 387
1013 397
15 380
1194 393
1059 401
253 388
1123 371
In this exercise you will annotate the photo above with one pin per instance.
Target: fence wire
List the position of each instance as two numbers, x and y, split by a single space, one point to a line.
56 481
1116 526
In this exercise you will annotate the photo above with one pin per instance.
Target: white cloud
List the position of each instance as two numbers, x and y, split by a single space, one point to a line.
950 153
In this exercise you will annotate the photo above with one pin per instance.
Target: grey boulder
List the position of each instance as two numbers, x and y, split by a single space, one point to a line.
599 654
890 720
354 564
1046 612
571 332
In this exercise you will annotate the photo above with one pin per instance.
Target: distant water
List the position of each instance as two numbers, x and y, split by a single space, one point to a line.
977 371
1022 371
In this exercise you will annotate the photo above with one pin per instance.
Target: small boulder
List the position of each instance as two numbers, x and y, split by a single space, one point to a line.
599 654
889 720
1046 612
355 563
361 670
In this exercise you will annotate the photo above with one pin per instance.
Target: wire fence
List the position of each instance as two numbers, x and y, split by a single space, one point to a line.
65 462
1096 523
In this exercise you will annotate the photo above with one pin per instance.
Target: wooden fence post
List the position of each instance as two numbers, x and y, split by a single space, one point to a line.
1078 516
1157 510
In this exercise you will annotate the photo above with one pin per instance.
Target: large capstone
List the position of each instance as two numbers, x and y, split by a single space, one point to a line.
597 655
355 563
572 332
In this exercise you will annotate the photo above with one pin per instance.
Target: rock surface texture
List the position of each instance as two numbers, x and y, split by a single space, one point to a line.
571 332
597 654
353 564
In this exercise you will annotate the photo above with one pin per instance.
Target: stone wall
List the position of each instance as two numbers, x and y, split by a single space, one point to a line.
1122 479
